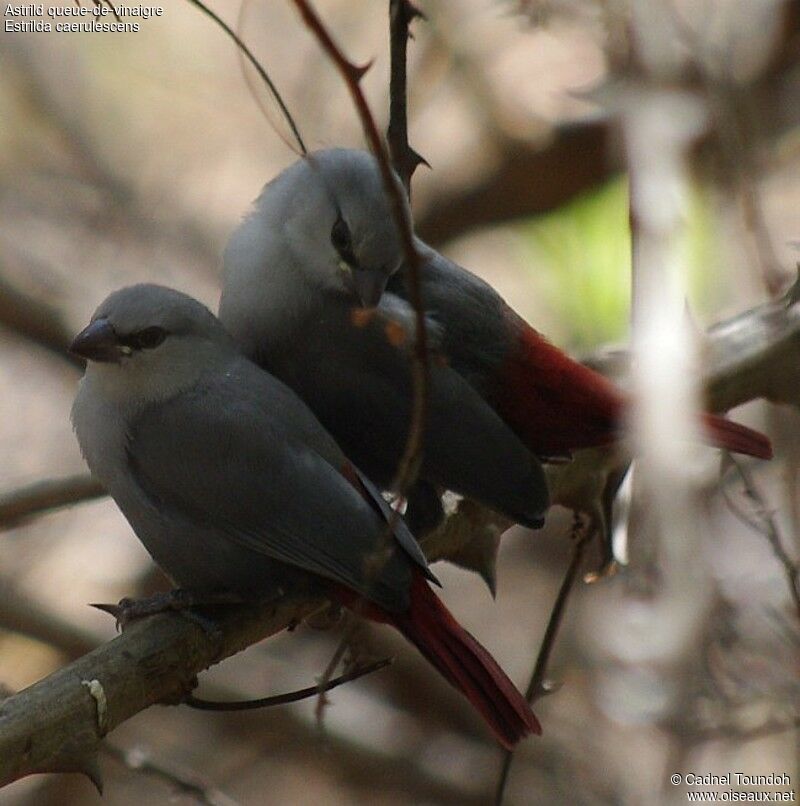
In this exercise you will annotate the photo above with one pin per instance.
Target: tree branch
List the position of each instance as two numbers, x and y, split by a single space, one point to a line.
27 502
56 724
352 75
536 685
404 158
35 320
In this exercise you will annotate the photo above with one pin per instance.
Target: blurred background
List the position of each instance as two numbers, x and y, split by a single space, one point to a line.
129 158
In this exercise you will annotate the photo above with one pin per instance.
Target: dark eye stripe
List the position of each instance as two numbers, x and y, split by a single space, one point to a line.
146 339
342 242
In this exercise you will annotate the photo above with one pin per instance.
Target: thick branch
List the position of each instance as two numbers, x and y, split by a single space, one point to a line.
56 724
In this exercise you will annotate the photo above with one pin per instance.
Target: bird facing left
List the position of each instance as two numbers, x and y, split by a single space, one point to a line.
233 486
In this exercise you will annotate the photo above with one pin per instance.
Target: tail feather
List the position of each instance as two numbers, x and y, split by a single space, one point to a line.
737 438
466 665
556 405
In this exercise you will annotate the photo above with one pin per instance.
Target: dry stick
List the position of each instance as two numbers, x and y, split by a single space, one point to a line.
409 462
185 783
352 75
257 67
292 696
57 724
34 319
769 528
404 158
536 687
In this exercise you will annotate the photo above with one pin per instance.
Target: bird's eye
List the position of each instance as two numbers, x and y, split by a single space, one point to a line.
147 339
342 241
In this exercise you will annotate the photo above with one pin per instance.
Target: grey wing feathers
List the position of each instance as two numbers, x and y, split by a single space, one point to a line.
401 532
218 456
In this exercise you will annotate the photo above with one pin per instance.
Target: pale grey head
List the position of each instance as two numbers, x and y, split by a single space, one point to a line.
324 224
148 342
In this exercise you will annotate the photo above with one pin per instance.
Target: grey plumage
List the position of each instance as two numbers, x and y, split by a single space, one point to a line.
225 475
284 304
233 486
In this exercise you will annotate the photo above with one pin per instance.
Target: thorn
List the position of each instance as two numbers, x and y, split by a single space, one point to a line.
490 578
411 12
417 159
90 767
356 72
113 610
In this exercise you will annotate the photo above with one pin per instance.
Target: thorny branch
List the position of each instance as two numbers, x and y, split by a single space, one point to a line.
348 757
409 462
352 75
57 724
405 159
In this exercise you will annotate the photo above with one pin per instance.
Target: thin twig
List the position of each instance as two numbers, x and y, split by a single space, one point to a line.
184 783
404 158
536 686
352 74
769 529
292 696
243 49
33 318
408 466
35 499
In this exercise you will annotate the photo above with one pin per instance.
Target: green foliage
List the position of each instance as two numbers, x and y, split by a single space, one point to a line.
581 253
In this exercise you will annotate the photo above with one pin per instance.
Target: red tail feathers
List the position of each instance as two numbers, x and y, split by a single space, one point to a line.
556 405
462 661
737 438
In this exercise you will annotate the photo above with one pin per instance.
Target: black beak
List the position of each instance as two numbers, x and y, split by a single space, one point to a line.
97 342
368 286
